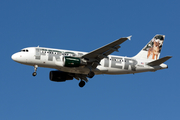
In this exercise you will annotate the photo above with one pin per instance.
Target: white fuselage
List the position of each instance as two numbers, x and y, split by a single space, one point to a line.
53 58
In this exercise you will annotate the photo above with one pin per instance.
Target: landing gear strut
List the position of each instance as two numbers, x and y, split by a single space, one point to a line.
82 83
91 74
35 69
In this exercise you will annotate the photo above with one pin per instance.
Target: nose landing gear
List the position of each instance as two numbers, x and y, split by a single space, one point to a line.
34 74
35 69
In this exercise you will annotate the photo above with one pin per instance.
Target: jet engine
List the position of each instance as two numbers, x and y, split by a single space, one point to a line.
59 76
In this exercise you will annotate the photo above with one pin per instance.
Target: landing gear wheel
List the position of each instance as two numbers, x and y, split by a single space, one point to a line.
81 84
91 74
35 69
34 74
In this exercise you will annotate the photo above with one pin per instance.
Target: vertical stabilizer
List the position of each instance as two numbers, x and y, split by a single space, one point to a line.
153 49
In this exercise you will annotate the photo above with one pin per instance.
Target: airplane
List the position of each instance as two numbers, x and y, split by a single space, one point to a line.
82 65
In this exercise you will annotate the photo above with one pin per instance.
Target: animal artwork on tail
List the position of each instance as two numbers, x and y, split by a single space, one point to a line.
154 47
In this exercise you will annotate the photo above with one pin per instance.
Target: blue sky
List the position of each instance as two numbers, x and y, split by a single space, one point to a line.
84 26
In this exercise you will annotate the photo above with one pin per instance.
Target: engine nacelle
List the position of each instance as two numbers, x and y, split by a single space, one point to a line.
59 76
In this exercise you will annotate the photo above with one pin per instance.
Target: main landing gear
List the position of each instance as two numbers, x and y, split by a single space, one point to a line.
83 79
90 74
35 69
82 83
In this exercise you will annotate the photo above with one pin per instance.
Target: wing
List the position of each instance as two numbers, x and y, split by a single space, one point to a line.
94 57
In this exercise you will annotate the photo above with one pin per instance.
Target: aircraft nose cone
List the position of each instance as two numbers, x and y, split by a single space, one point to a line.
14 57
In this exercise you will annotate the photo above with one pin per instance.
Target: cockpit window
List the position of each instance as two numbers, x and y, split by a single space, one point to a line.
25 50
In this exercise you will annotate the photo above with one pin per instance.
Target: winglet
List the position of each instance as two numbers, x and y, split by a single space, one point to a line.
129 37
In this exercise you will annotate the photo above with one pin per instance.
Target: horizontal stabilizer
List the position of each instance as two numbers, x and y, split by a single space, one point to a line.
159 61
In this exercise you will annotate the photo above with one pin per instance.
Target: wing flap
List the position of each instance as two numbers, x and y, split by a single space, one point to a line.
111 50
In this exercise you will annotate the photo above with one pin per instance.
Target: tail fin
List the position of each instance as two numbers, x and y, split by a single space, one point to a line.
153 49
